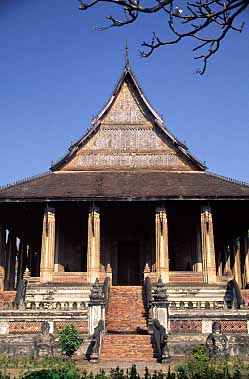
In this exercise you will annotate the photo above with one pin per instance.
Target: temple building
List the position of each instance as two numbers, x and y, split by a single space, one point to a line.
127 202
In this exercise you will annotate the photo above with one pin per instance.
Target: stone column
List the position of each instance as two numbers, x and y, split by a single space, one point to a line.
207 239
48 246
114 261
162 253
227 267
198 264
93 245
219 263
11 262
58 267
236 267
21 267
2 256
246 269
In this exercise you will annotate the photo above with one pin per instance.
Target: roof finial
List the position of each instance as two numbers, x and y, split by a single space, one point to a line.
126 54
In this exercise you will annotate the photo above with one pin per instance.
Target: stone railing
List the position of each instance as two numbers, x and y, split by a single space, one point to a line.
178 305
156 305
98 306
160 340
94 349
42 305
56 305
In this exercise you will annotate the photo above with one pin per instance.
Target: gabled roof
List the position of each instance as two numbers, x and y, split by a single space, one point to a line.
127 74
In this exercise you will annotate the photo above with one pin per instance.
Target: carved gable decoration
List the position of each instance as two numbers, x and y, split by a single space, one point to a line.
127 109
126 136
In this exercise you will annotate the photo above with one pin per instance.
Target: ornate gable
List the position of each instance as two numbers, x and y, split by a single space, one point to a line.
128 134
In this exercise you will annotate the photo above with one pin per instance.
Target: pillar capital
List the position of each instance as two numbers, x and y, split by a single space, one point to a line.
94 210
161 209
237 243
50 211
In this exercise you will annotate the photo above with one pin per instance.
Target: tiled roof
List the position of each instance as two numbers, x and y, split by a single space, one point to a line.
125 185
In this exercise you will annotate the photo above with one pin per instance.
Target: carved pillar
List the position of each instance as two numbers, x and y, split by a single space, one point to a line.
48 246
207 239
2 256
11 262
219 263
93 248
236 267
162 253
114 263
246 268
227 254
21 268
198 264
58 267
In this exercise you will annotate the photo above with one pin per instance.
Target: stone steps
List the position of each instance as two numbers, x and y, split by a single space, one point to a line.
126 309
126 314
127 347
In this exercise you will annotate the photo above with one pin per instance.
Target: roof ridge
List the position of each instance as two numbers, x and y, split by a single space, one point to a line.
25 180
227 179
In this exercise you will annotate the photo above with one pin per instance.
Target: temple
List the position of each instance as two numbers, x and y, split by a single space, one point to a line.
127 205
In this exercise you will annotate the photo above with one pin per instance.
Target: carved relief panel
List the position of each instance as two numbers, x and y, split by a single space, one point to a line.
127 139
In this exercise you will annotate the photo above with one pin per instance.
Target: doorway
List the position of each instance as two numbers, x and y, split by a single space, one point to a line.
128 264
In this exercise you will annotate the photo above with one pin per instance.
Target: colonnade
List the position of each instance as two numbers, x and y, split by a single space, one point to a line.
233 260
205 252
14 259
207 265
15 256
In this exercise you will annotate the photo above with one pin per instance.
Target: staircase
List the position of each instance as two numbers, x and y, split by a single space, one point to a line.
127 336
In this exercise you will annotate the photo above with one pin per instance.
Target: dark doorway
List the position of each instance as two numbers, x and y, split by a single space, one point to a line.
128 264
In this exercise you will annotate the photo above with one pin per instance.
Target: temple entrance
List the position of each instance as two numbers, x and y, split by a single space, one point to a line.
128 264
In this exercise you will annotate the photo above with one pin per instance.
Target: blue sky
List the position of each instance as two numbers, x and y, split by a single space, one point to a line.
56 72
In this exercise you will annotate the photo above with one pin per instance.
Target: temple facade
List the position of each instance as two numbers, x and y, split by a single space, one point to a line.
127 203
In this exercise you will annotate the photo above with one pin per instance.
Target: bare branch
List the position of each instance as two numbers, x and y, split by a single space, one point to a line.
207 21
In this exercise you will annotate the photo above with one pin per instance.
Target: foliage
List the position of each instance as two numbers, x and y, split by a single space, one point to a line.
206 22
69 339
200 354
200 366
4 376
29 363
197 366
52 374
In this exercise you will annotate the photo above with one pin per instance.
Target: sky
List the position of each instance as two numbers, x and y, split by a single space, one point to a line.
57 71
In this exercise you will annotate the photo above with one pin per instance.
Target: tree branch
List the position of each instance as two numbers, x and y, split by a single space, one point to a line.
214 18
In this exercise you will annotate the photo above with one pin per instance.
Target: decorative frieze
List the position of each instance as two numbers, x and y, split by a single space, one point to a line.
126 137
125 160
185 326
